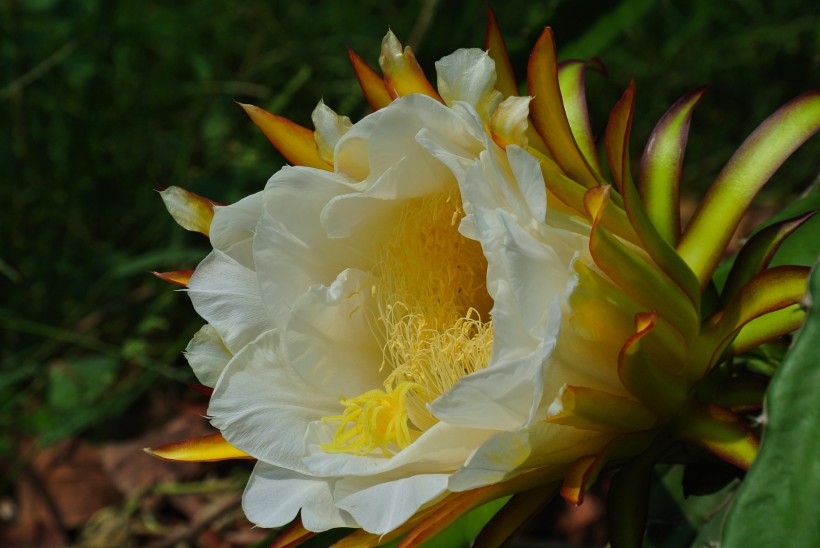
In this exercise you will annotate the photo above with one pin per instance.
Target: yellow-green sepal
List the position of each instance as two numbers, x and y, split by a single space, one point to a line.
756 254
769 291
661 165
571 78
549 115
720 432
705 239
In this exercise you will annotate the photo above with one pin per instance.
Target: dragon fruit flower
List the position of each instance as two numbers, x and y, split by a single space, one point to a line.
450 301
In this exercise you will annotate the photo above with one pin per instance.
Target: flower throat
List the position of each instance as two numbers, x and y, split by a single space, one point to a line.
432 320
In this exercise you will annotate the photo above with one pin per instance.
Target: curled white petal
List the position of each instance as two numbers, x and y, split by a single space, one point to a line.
509 122
226 294
207 355
262 406
233 227
329 129
381 507
468 75
275 495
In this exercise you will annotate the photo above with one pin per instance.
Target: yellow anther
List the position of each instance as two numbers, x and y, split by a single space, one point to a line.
374 420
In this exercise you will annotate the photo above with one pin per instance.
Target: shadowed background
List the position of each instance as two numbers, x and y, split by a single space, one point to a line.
100 101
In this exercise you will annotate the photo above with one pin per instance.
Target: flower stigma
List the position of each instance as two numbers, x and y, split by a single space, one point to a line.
432 320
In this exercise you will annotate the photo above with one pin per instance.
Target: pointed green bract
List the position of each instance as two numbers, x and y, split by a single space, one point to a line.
776 503
721 432
628 497
661 163
443 515
592 409
662 392
663 254
465 530
583 473
641 279
495 46
616 137
571 77
617 145
613 218
771 290
758 252
705 239
549 116
627 504
741 393
767 328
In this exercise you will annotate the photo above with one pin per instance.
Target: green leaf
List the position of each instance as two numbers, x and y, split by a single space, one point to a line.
679 521
776 501
465 529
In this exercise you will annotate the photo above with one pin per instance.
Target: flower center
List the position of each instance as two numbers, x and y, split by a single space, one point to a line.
432 319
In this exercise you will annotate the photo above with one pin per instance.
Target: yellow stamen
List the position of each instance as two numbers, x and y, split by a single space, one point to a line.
373 420
431 297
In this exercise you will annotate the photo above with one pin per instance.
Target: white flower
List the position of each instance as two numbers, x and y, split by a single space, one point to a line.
395 329
415 321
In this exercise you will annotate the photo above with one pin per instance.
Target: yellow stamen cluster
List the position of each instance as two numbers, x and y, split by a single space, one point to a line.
372 421
431 297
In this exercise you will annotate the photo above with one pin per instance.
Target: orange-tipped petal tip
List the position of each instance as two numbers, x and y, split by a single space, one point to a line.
296 143
176 277
191 211
212 447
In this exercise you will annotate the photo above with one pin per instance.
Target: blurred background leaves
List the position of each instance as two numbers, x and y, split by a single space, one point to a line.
102 100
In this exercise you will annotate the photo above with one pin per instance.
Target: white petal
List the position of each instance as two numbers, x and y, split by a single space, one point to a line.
292 250
382 507
442 448
226 294
391 52
233 228
263 407
469 75
401 165
536 273
509 121
395 129
329 128
368 212
351 157
529 282
457 156
540 445
274 496
207 355
527 171
330 340
499 397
